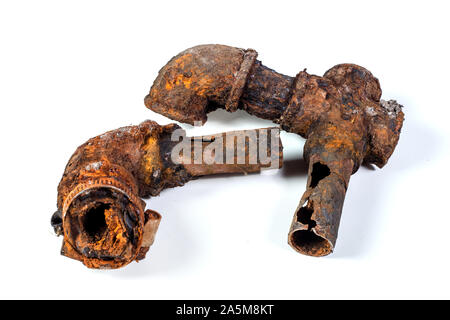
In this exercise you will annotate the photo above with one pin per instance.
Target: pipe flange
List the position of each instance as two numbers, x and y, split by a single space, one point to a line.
236 91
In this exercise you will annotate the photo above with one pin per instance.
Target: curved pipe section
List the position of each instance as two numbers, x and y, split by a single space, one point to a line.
195 79
100 211
340 114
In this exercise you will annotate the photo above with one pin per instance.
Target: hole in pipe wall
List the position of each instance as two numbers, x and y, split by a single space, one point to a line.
319 172
304 216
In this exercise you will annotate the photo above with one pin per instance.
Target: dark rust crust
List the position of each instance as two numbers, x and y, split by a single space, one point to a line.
267 92
340 114
194 79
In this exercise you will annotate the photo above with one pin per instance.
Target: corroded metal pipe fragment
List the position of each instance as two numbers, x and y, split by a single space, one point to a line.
340 114
100 210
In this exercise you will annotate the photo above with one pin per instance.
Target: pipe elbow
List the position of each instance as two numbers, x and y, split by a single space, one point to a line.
100 211
198 80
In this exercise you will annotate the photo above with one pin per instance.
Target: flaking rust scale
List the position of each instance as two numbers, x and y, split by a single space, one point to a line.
100 211
340 114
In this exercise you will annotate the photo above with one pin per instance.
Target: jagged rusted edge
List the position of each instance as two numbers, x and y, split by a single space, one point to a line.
100 183
236 91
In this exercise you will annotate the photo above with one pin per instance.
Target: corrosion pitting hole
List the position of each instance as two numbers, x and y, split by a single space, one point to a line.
94 222
304 215
319 172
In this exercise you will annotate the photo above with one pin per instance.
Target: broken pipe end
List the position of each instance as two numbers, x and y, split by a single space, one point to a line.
309 243
105 226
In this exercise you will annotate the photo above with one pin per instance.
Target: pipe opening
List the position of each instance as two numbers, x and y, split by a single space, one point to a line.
94 222
319 172
97 231
309 243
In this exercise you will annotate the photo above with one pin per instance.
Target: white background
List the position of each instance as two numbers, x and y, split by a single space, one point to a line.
70 70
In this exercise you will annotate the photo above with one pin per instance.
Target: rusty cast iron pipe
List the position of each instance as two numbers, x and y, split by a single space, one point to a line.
100 210
340 114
